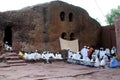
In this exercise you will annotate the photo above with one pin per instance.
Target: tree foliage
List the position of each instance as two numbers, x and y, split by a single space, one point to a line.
110 16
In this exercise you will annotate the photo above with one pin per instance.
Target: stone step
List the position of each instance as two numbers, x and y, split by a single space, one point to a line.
18 64
12 58
15 61
11 54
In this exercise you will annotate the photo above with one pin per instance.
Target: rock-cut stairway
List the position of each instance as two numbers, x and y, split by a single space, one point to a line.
13 59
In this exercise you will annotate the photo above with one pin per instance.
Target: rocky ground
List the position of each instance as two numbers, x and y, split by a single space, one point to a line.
56 71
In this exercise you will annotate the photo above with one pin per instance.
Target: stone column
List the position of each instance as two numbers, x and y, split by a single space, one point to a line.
117 32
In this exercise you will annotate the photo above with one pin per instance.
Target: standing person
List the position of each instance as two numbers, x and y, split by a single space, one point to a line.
113 51
107 53
84 52
90 52
102 52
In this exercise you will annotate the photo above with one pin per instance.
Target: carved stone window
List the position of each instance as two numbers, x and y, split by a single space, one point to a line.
62 16
72 36
70 17
63 35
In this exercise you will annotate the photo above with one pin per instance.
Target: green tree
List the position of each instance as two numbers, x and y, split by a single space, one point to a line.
110 16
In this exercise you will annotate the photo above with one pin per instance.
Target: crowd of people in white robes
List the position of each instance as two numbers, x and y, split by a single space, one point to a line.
35 56
99 57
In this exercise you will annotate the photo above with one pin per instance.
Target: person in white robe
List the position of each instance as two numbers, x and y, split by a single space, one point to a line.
97 62
84 52
103 62
102 53
113 51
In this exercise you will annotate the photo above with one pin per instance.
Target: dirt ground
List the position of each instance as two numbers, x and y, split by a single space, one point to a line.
57 71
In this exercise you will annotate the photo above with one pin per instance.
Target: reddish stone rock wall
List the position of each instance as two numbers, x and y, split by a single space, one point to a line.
108 38
117 31
39 27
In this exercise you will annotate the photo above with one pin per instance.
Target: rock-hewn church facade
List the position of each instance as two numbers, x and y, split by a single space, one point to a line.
39 27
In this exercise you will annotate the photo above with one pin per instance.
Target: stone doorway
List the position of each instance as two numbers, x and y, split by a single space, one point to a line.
8 35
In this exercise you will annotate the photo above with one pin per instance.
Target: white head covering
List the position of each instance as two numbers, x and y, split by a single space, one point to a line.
85 46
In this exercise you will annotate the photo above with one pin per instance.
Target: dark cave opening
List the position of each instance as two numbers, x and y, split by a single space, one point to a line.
8 35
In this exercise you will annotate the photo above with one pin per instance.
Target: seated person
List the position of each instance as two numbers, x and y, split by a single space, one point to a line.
114 62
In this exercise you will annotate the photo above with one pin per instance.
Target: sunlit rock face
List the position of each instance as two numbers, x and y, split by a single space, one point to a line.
40 26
